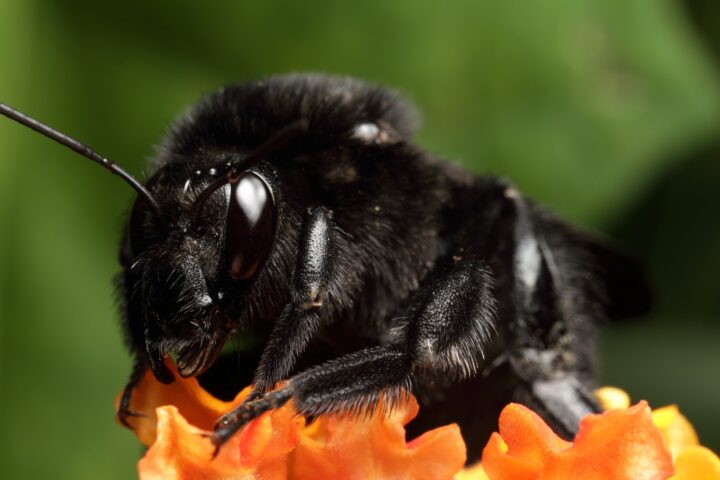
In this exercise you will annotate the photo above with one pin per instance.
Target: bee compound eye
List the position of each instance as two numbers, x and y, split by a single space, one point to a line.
250 225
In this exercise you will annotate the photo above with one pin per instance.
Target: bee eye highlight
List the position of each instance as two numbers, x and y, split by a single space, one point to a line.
250 226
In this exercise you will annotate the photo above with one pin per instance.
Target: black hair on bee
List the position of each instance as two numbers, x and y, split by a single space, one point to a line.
298 212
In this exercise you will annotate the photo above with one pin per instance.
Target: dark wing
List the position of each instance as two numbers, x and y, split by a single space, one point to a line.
600 268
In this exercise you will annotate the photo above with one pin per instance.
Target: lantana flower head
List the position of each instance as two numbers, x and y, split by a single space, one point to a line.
624 443
281 444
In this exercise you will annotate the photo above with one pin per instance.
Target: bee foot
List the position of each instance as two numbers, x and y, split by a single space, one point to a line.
124 415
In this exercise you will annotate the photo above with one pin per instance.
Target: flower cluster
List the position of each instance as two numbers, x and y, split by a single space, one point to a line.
280 445
625 442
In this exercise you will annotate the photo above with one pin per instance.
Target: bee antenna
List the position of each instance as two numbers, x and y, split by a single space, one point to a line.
273 144
83 150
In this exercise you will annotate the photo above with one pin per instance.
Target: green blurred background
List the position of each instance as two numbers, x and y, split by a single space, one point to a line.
607 111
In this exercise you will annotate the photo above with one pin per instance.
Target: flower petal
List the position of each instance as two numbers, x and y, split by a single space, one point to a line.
375 447
697 463
181 450
619 444
676 429
331 447
612 398
193 402
523 448
624 442
473 472
499 465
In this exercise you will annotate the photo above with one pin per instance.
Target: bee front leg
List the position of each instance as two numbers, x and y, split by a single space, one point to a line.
123 411
315 273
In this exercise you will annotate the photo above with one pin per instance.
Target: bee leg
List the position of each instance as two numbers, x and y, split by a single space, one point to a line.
562 401
315 272
552 376
444 328
451 318
552 325
352 383
123 411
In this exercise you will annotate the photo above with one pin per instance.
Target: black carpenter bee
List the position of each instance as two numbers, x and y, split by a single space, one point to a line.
297 213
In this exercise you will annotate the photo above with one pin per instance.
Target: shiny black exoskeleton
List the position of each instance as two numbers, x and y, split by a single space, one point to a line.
297 214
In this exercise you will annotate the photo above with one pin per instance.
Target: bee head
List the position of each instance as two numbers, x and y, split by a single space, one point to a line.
215 233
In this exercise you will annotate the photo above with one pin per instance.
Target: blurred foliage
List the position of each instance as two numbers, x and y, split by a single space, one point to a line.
608 111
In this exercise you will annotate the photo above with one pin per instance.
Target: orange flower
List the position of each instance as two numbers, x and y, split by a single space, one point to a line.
692 461
619 444
622 443
280 445
336 447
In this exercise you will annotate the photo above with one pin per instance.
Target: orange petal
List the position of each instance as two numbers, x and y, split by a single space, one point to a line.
499 465
679 434
332 447
347 448
195 404
697 463
181 450
624 442
528 436
619 444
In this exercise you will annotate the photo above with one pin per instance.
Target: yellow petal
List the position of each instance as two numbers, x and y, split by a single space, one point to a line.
676 429
474 472
612 398
696 463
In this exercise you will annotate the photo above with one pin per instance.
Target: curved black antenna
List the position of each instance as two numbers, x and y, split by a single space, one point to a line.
274 143
83 150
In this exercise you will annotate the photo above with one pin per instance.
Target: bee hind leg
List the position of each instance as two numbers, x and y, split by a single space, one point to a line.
562 401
